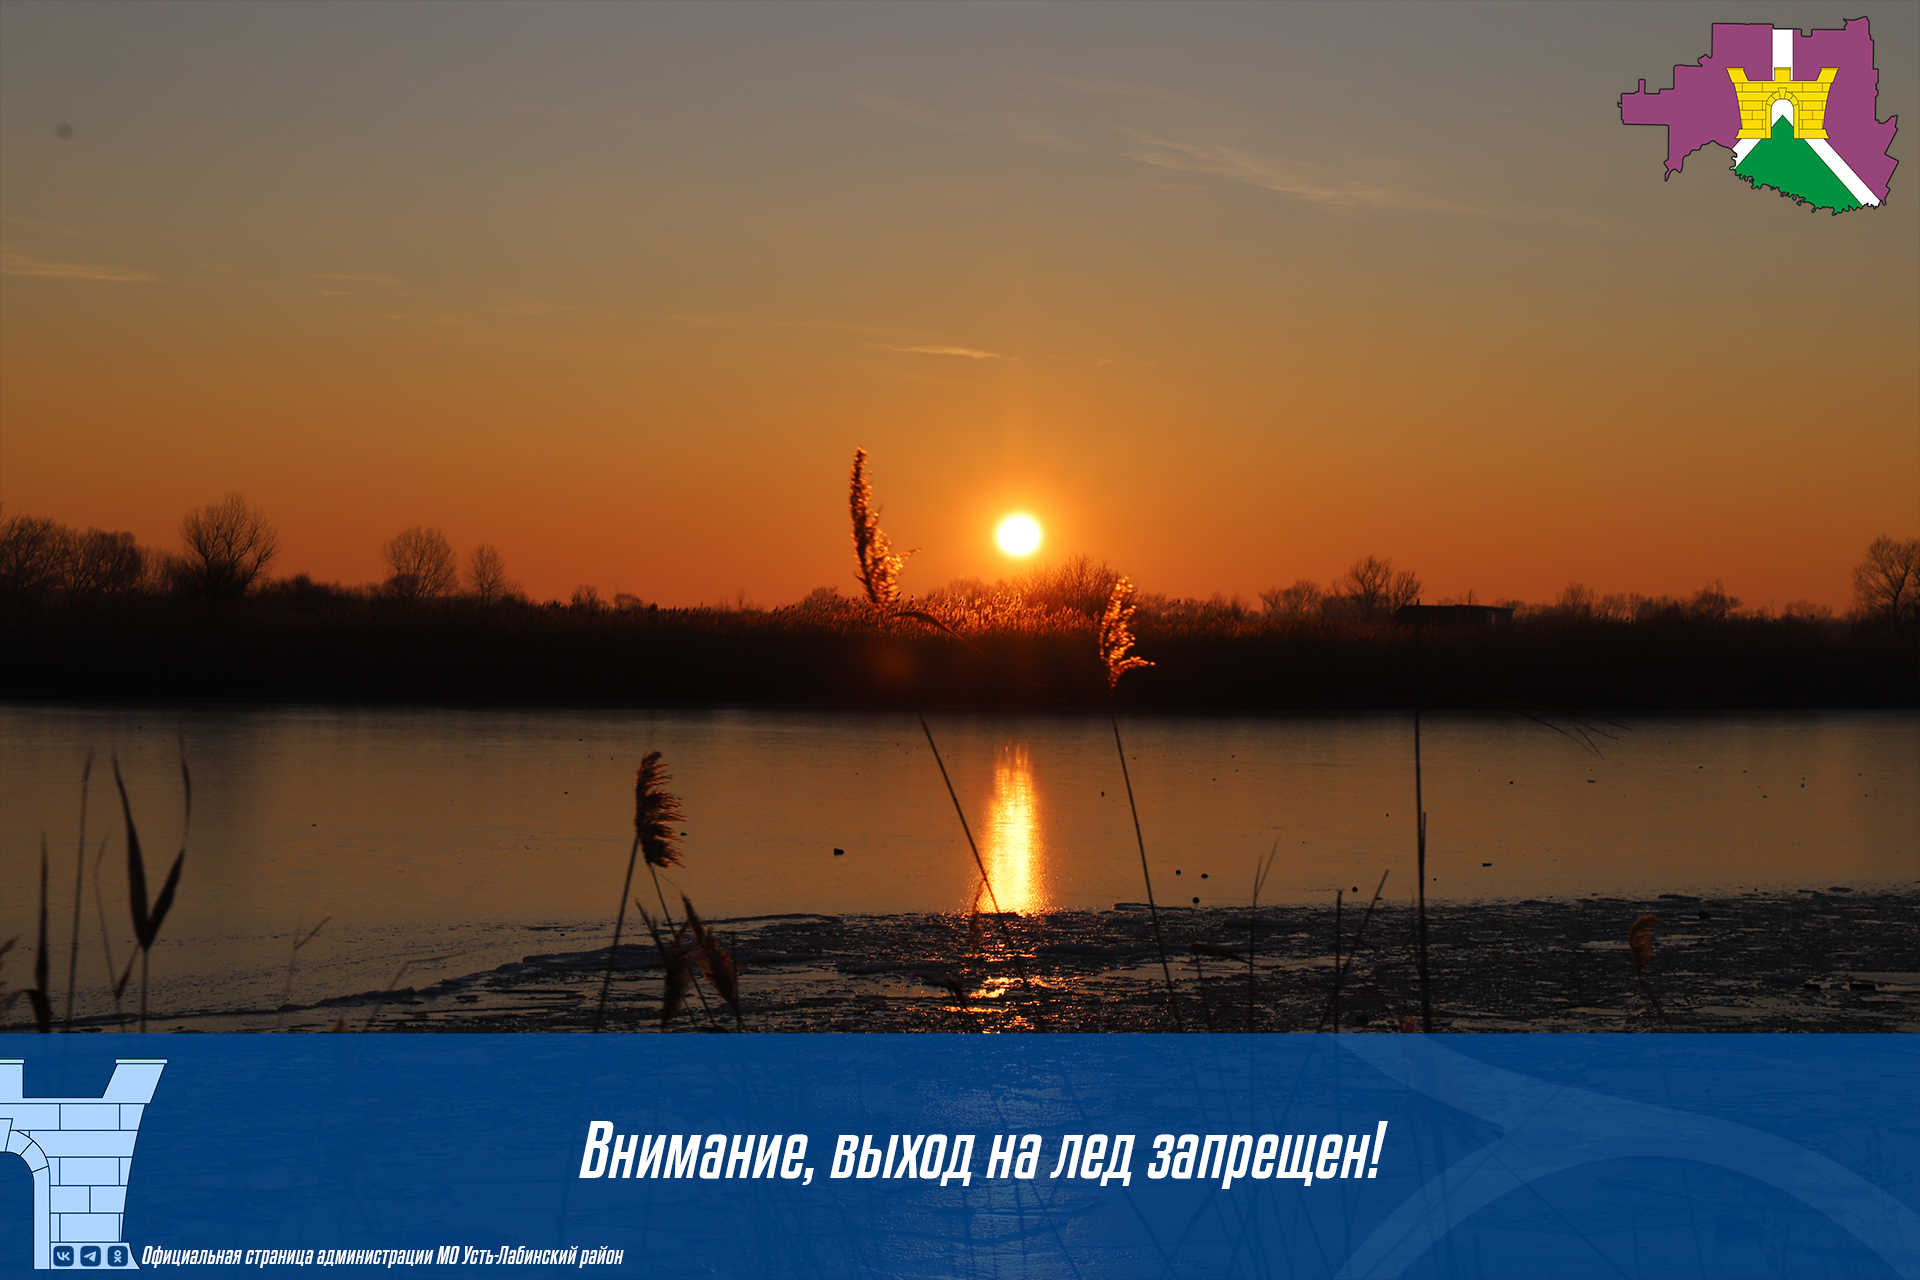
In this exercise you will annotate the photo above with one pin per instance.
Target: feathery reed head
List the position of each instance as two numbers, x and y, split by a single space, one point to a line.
656 813
1116 637
879 565
1640 942
714 958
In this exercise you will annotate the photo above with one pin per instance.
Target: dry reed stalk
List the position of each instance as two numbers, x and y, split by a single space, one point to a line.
676 960
879 565
6 996
1339 895
1260 872
656 814
147 921
1640 947
1420 842
1115 639
879 577
1340 970
299 940
79 883
100 915
1194 953
37 993
986 881
398 974
1116 634
716 961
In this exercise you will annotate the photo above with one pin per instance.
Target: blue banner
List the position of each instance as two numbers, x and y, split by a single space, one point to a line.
876 1155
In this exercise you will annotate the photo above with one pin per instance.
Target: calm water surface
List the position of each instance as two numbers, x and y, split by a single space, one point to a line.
450 840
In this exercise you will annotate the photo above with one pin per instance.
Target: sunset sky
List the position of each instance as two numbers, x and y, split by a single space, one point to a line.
1225 296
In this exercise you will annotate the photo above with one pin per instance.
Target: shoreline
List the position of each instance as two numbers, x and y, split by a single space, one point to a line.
1805 961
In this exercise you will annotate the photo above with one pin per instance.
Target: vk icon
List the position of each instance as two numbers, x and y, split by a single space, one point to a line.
63 1255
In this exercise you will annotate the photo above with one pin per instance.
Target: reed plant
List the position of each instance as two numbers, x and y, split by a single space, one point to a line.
1261 870
147 919
677 960
688 952
79 877
879 577
1420 847
1341 966
301 937
716 962
1640 948
1116 642
656 818
37 994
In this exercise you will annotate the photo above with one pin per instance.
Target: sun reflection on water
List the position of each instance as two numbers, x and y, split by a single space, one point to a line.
1013 846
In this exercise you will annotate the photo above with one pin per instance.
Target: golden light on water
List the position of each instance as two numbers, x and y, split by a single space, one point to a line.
1012 842
1019 535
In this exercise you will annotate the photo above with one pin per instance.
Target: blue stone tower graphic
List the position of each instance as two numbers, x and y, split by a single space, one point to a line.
81 1153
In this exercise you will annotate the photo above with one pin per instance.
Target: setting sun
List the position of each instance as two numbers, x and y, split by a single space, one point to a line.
1019 535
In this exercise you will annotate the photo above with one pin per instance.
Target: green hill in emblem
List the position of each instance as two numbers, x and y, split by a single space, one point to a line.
1793 168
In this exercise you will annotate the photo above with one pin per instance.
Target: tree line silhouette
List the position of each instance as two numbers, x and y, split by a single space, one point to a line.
91 614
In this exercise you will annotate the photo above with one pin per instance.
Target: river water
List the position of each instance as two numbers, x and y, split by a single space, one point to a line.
434 841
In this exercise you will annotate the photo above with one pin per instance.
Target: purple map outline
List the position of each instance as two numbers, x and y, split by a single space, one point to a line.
1701 107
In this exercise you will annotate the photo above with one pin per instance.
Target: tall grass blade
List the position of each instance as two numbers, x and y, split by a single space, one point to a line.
1338 896
146 923
1340 971
716 961
656 815
100 917
1115 640
1640 947
986 881
1260 870
398 974
136 865
37 996
1420 846
299 940
79 887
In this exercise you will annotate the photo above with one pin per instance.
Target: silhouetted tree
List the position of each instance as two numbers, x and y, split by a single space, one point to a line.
1577 601
1077 584
1886 585
1712 603
34 554
229 545
486 575
422 563
1301 600
105 564
1376 590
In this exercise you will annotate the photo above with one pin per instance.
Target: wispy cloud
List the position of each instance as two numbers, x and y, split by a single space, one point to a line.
15 263
844 327
528 307
887 105
1316 184
967 352
335 275
1115 89
69 232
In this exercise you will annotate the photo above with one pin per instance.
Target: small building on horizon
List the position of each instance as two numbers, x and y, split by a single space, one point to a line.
1451 615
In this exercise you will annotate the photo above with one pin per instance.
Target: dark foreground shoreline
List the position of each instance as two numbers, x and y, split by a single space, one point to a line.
1808 961
332 649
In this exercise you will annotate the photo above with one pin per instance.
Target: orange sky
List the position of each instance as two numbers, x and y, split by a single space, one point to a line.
1224 296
